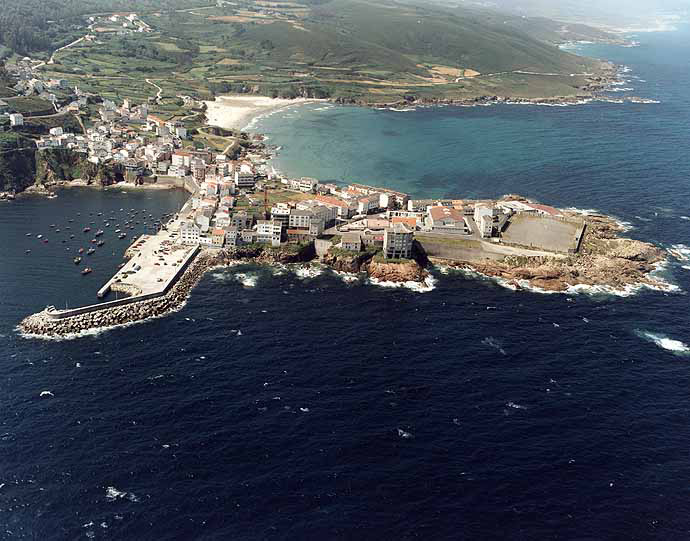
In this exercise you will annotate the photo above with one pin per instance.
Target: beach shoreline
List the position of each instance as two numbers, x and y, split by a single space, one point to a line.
236 112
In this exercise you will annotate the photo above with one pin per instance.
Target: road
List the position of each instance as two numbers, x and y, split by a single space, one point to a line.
160 90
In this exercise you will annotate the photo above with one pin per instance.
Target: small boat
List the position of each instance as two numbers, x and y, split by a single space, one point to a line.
57 230
70 221
87 270
77 260
107 224
81 250
100 243
45 240
117 231
52 225
87 229
91 251
39 236
28 234
27 251
99 232
71 236
122 235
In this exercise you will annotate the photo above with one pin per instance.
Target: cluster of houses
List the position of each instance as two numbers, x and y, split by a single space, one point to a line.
212 219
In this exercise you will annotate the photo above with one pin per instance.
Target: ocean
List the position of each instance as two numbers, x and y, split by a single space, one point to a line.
282 403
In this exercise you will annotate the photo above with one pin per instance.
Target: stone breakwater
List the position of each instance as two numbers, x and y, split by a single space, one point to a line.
43 325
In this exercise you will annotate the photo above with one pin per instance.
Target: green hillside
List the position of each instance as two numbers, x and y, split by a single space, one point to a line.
347 49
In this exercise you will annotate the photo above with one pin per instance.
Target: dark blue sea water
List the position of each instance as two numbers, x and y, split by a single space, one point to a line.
279 405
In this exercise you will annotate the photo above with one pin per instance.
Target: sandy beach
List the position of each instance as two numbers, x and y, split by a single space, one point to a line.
236 112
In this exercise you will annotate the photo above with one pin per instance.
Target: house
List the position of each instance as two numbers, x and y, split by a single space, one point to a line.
232 235
269 232
203 220
485 216
16 119
304 184
241 220
281 212
351 241
444 219
368 203
189 233
299 219
218 238
397 242
248 236
345 209
245 177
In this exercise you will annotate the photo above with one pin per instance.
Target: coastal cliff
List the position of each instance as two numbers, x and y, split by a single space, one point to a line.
375 266
25 168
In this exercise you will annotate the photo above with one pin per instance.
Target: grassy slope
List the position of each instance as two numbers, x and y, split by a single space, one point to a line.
341 48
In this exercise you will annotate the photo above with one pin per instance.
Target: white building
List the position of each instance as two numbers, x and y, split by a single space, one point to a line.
485 217
397 242
245 176
16 119
189 233
268 232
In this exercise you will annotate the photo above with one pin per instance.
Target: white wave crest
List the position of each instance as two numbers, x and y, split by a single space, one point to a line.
664 342
307 271
246 279
112 494
429 284
680 251
516 406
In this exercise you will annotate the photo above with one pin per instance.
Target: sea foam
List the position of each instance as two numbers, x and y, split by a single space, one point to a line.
664 342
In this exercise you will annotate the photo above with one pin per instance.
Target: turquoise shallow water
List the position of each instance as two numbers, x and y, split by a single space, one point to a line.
626 159
282 405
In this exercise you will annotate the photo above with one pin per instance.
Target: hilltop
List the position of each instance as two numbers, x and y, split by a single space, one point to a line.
348 50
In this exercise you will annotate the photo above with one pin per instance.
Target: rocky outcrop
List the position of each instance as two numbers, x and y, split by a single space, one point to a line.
57 165
344 261
604 260
266 255
407 271
23 167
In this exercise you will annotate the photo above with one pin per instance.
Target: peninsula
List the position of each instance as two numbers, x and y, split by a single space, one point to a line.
241 210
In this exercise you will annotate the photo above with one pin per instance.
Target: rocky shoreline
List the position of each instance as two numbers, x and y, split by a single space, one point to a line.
42 325
605 261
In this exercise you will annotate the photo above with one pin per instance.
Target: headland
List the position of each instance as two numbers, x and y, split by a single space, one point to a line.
239 211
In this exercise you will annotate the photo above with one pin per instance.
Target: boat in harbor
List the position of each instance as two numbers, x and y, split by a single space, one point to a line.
100 243
117 231
99 232
81 250
28 234
122 235
39 236
87 229
77 260
87 270
91 251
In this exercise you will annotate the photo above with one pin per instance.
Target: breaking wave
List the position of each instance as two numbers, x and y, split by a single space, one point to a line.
664 342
